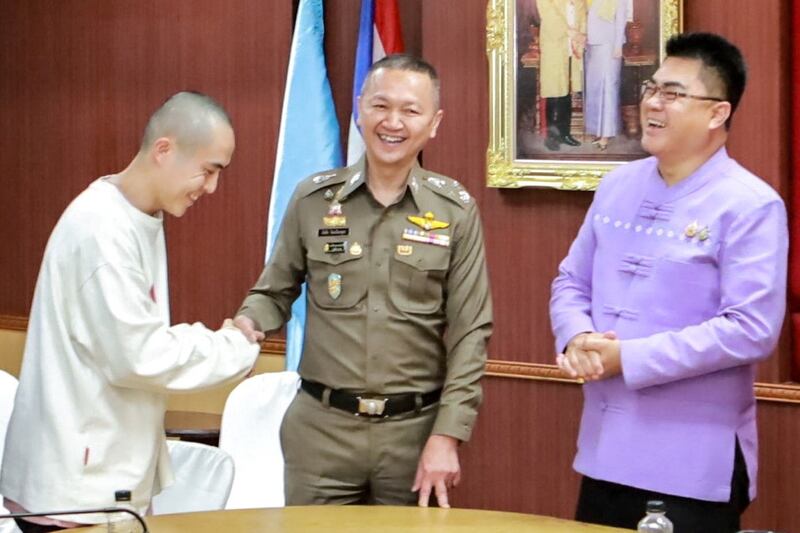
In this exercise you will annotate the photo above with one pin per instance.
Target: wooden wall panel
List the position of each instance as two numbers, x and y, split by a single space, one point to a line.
776 506
530 428
79 82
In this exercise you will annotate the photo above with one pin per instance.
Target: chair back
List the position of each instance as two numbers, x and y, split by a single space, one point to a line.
250 432
8 390
203 479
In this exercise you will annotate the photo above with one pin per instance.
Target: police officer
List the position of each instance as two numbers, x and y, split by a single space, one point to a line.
399 309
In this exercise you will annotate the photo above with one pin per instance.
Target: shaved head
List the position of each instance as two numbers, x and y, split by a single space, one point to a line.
187 117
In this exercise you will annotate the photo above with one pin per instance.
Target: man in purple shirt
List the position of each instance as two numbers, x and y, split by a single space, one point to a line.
671 293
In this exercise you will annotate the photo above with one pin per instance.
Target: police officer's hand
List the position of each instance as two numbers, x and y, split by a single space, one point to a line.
248 328
438 470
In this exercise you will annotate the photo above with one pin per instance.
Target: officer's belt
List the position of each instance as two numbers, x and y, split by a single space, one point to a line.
369 404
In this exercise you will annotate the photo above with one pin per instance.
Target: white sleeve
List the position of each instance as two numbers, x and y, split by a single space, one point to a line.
118 329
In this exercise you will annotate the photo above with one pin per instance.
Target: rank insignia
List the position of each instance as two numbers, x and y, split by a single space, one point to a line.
426 237
334 218
438 182
704 234
322 178
692 229
355 249
334 285
405 249
428 222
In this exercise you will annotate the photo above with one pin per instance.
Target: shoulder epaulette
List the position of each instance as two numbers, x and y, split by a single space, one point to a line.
447 187
319 180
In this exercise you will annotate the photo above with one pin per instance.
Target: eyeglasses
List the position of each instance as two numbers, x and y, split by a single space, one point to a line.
650 88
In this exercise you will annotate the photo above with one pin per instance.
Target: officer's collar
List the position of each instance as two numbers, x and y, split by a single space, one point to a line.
356 176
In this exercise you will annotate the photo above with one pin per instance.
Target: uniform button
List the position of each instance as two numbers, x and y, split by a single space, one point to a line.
375 309
378 264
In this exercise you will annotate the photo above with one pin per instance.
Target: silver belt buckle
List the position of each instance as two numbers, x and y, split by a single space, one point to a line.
371 406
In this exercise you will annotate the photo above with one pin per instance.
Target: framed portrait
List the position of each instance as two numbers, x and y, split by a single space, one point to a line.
564 83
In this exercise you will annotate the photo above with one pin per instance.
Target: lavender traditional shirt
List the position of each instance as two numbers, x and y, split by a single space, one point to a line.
692 278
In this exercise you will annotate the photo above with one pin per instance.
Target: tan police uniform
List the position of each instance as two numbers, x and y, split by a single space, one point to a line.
398 307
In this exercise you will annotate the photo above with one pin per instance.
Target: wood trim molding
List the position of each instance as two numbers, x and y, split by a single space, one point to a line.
770 392
14 323
274 347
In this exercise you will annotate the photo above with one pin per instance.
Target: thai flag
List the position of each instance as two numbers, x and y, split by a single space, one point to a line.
379 35
308 141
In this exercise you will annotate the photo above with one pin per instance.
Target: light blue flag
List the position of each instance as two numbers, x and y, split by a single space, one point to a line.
308 141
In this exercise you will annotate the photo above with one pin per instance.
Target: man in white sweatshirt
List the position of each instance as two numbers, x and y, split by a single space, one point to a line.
101 356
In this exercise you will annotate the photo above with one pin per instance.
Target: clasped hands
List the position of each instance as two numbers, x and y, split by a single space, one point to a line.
246 326
591 356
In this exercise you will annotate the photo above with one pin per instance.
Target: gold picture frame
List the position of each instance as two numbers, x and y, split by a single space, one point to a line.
523 149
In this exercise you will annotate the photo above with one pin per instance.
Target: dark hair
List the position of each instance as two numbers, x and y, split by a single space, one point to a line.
188 116
722 62
409 63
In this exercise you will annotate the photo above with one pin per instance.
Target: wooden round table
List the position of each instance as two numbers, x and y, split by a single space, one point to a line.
193 427
333 519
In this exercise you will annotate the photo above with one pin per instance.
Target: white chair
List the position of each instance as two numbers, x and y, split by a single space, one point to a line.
8 390
250 428
203 479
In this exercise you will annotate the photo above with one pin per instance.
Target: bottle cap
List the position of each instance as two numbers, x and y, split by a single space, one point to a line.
656 506
122 495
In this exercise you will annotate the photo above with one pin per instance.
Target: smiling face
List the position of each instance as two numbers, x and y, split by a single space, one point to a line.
189 173
398 114
679 130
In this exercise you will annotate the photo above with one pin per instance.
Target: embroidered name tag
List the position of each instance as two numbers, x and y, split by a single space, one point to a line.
333 232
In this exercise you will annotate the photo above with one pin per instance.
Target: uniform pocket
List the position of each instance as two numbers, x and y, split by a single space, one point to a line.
417 280
336 281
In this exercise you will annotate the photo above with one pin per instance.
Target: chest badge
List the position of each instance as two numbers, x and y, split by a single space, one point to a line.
695 230
337 247
334 285
692 229
428 222
334 218
355 249
405 249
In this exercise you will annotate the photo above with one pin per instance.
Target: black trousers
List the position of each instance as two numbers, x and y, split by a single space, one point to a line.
611 504
559 115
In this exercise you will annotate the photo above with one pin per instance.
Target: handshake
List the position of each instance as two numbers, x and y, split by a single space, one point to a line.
591 356
247 326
